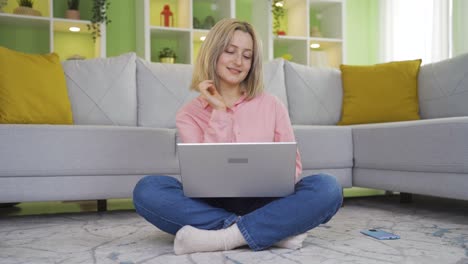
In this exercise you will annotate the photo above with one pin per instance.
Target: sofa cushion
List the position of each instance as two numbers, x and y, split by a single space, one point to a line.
103 91
384 92
314 94
273 77
61 150
443 88
344 176
32 89
324 147
162 89
433 145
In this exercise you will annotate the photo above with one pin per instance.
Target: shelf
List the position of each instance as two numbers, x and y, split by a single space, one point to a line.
329 54
206 13
180 10
300 17
297 48
289 38
40 5
167 30
68 44
327 17
178 40
197 42
63 25
198 34
327 40
50 32
296 14
22 20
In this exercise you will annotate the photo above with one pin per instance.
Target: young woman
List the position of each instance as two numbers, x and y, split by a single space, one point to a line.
232 107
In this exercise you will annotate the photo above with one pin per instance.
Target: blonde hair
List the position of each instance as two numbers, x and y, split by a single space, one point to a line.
216 42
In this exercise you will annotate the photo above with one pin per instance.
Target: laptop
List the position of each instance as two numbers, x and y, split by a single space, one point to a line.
237 169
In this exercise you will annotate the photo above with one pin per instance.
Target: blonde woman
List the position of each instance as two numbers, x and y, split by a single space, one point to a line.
232 107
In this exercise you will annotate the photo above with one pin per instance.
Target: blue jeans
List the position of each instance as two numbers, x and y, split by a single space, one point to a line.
262 221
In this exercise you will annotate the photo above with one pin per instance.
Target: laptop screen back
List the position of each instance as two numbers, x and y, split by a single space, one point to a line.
237 169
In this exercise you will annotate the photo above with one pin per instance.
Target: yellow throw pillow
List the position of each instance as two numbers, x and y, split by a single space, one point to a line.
33 89
385 92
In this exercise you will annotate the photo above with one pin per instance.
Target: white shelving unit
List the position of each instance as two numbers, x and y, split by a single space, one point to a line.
191 23
301 16
331 17
56 27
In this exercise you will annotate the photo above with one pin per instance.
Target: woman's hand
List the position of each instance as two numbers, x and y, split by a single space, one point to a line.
209 92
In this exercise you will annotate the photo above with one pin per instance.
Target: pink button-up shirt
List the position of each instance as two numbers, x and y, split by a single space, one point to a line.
262 119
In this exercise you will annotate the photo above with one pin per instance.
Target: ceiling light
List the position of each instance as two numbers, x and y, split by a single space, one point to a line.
74 29
315 45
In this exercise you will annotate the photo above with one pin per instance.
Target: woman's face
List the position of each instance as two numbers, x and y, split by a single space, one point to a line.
235 61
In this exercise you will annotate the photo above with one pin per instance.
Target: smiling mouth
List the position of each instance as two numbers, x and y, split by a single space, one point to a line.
235 71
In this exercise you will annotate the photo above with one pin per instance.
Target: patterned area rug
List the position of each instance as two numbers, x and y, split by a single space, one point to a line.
432 230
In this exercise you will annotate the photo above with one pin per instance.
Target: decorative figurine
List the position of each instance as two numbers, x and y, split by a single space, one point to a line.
209 22
2 4
196 23
315 32
167 15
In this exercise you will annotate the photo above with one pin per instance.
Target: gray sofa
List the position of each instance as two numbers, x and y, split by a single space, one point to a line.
124 112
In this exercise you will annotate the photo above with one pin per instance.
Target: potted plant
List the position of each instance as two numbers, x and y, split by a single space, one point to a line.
99 16
278 14
73 11
3 3
167 55
25 7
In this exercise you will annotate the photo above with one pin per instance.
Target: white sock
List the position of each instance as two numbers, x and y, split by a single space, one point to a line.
190 239
292 242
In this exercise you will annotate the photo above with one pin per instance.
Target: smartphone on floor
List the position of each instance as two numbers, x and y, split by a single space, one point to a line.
380 234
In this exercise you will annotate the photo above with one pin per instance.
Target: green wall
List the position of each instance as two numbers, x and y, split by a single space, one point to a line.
362 32
24 38
244 10
460 27
121 36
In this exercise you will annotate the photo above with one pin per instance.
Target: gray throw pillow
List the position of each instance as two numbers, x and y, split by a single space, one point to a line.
314 94
103 91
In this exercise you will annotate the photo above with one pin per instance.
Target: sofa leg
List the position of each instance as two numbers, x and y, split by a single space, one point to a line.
406 197
102 205
4 205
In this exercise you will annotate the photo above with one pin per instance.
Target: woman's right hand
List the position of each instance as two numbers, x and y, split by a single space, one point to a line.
210 93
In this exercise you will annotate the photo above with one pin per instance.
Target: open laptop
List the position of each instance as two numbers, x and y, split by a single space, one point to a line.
237 169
